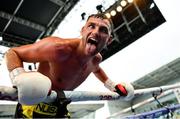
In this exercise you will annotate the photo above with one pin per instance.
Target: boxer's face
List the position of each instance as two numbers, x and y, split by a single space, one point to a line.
95 35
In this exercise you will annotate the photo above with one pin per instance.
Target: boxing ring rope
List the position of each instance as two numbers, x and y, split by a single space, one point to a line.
155 113
9 93
87 95
124 111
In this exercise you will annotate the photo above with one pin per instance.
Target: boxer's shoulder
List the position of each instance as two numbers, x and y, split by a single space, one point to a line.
62 42
97 59
63 48
66 44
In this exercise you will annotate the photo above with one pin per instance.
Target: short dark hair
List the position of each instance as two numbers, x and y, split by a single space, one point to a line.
102 16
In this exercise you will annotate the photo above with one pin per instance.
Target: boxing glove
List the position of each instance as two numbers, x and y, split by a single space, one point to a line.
123 89
33 87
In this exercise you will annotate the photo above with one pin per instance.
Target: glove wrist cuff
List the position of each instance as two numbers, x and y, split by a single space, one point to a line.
15 72
109 84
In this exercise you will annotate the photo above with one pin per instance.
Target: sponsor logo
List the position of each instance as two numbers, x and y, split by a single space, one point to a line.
44 108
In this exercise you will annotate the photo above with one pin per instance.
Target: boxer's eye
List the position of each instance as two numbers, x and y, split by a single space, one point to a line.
104 30
91 26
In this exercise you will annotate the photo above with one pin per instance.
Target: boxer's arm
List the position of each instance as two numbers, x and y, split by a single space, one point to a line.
37 52
26 82
101 75
108 83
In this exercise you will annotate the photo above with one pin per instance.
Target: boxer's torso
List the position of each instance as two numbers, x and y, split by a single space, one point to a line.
69 73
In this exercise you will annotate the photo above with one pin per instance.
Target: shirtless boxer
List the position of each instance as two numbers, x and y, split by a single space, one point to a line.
63 63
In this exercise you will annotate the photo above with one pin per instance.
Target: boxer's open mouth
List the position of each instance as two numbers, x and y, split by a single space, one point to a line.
92 44
92 41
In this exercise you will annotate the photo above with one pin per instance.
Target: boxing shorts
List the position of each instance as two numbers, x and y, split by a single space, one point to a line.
56 109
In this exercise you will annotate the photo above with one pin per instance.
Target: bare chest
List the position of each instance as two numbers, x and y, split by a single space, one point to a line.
69 74
73 70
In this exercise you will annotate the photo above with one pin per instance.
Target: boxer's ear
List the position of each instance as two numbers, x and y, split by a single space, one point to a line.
110 40
82 29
